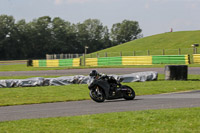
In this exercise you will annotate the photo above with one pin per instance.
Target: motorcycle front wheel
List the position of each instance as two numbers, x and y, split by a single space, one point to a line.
97 95
129 94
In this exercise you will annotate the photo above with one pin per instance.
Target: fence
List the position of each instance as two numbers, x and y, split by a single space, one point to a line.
62 56
171 59
57 63
196 58
121 60
179 51
148 57
138 60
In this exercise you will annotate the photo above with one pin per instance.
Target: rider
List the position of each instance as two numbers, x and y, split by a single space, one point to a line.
111 80
97 75
94 74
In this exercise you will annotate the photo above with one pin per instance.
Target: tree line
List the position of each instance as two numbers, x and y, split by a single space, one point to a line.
46 35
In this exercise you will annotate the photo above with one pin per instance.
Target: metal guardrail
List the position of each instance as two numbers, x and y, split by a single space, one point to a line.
178 51
63 56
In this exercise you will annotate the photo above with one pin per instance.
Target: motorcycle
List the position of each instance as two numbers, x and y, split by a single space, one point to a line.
109 88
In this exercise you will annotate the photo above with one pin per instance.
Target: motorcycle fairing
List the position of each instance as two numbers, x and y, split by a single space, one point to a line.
102 84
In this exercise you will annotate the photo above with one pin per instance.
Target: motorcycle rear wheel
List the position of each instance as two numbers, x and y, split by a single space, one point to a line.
97 96
129 94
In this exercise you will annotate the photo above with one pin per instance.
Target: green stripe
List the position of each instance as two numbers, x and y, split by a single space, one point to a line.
42 63
66 62
109 61
168 59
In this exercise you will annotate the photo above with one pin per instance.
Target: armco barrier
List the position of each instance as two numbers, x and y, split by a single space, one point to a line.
196 58
170 59
104 61
76 62
137 60
52 63
91 62
65 62
57 63
35 63
109 61
42 63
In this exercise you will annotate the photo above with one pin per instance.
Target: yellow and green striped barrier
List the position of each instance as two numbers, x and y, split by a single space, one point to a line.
57 63
170 59
109 61
91 61
103 61
196 58
138 60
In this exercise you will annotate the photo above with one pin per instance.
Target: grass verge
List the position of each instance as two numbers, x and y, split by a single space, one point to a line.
45 94
165 120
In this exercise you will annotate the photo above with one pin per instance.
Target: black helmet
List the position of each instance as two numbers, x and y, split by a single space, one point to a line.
93 73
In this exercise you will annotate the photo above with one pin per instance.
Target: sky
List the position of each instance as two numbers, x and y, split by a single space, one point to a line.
154 16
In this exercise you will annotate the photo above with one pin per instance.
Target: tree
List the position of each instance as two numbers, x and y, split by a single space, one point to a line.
40 37
21 37
59 35
92 33
7 45
126 31
21 40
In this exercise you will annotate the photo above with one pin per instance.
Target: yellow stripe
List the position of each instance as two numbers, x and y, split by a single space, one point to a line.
196 58
35 63
91 62
52 63
186 59
76 62
136 60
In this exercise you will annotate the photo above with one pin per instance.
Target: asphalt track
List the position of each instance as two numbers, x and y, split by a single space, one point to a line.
87 107
191 70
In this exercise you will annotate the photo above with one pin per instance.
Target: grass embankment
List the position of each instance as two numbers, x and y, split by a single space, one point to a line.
44 94
156 43
165 120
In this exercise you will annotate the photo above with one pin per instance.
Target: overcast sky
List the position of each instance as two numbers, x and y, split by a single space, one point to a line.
154 16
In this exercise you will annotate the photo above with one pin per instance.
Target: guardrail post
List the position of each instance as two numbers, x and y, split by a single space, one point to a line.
163 52
61 56
84 59
54 56
148 52
179 51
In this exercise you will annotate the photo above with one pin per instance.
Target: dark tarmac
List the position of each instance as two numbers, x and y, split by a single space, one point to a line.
87 107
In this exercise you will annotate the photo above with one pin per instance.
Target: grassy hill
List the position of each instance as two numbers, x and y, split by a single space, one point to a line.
168 41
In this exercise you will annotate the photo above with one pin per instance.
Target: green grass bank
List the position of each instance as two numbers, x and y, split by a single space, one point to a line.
186 120
170 40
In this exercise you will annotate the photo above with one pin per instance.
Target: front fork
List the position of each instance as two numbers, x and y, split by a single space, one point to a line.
98 91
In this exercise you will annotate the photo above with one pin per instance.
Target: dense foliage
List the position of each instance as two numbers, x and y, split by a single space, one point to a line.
35 39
